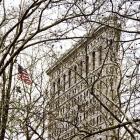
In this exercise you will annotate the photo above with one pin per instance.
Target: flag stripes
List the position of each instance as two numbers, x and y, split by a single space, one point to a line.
23 75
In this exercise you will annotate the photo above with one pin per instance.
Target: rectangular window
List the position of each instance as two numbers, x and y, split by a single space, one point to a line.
100 55
93 60
81 68
100 118
75 74
64 81
97 121
58 86
93 121
69 78
87 65
54 87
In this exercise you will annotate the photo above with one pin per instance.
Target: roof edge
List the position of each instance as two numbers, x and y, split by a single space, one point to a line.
93 35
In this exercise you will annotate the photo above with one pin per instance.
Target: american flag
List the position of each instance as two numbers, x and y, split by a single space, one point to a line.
23 75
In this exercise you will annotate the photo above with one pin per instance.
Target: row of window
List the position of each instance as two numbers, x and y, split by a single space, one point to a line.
57 131
76 72
83 111
84 97
67 126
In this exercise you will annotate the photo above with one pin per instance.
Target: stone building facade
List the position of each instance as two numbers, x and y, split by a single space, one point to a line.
81 82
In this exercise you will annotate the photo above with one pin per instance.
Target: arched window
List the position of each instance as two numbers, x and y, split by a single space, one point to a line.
69 78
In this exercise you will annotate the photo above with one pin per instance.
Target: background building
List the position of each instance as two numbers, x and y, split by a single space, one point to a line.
86 73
